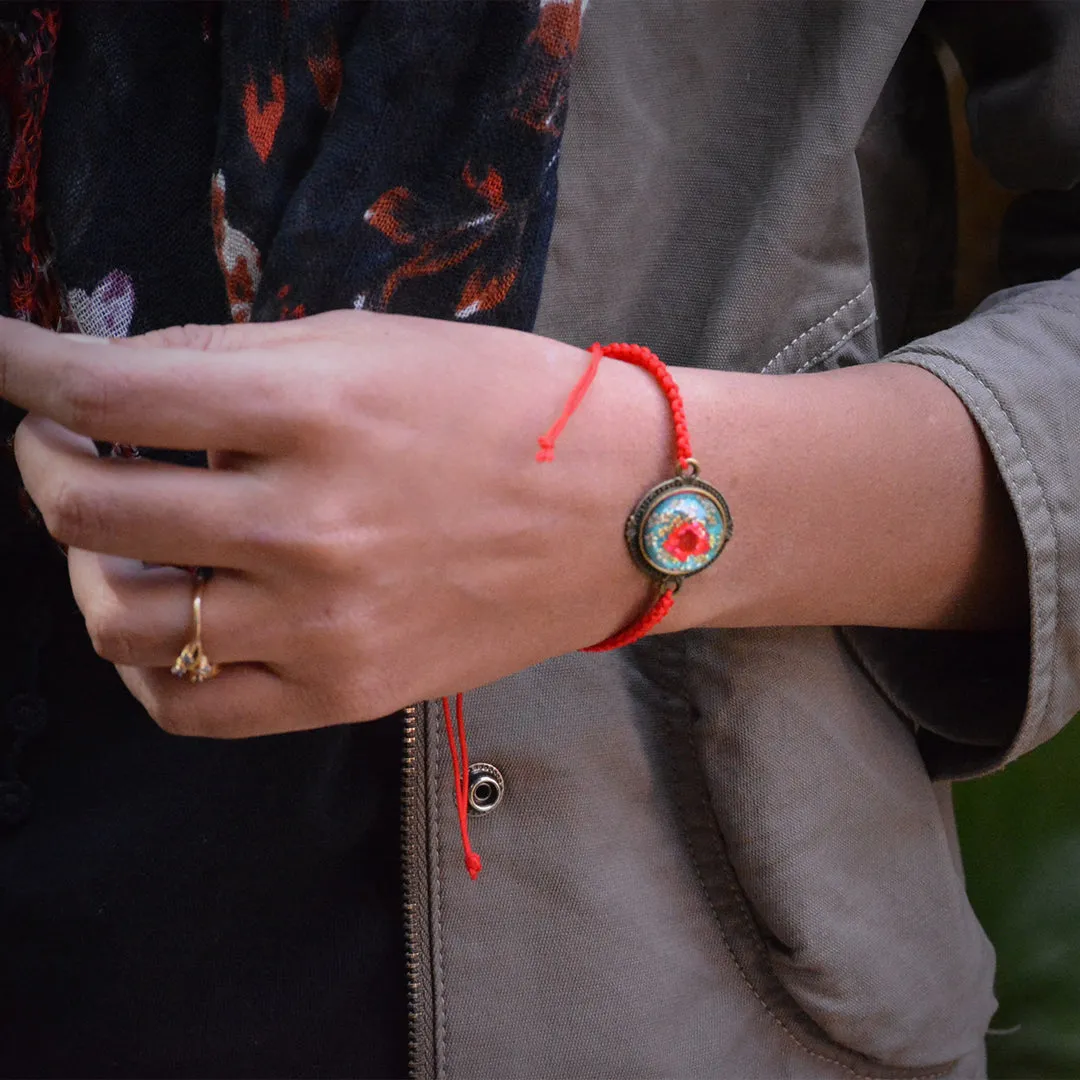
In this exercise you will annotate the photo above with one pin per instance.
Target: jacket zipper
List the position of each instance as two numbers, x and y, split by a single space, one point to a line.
414 869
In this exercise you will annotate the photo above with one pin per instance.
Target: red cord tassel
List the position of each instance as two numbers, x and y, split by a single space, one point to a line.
461 780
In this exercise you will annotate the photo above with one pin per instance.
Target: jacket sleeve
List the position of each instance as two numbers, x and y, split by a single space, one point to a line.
979 700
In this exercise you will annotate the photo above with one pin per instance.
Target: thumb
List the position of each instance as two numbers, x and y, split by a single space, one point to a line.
199 338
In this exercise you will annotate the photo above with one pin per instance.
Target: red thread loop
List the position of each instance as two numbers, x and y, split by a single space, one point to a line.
640 357
461 780
577 395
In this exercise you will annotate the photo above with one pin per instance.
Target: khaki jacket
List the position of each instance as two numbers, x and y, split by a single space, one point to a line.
732 853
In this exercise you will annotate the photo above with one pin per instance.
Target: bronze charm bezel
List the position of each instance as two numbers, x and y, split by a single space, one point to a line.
635 525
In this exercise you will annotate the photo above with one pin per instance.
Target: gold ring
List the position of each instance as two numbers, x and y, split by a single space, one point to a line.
193 664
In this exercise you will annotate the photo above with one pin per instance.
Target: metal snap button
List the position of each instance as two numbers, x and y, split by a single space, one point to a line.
486 787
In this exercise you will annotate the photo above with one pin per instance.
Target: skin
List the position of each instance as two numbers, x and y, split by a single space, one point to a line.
382 533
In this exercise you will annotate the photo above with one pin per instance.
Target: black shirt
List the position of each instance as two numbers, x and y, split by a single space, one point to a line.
187 907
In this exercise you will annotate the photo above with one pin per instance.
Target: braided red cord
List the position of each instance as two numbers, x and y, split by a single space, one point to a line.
643 358
640 357
638 628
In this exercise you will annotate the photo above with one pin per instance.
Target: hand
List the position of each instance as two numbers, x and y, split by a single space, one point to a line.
379 529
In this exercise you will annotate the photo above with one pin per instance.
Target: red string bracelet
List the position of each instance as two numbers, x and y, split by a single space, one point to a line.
679 527
676 530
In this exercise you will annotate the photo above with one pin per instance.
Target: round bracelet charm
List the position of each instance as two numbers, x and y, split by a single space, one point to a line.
678 528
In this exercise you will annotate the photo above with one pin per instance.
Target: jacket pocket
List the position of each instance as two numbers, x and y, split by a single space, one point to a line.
827 853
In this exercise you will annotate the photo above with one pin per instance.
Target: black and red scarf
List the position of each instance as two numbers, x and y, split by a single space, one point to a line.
195 162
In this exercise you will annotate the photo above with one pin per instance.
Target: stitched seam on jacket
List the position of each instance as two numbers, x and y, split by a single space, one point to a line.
1042 659
745 908
837 345
817 326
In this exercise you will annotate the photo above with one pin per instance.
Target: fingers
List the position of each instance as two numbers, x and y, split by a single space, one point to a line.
140 619
149 394
145 510
244 700
143 617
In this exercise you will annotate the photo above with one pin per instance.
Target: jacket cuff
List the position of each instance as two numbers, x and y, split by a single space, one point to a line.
978 700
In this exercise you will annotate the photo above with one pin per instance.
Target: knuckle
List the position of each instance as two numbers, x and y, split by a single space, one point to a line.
68 513
265 543
188 336
308 544
113 643
194 336
88 397
214 338
329 555
111 639
327 538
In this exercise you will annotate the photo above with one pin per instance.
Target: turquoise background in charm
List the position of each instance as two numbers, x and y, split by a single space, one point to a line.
669 514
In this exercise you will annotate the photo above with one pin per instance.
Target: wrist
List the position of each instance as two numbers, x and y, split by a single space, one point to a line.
620 445
680 524
863 496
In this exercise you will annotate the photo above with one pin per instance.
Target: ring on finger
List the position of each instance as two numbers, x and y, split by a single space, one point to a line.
193 665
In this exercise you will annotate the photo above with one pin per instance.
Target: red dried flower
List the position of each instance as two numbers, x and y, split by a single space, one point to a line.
686 540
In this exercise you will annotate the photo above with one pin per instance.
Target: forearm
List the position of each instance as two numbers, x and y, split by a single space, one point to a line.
864 496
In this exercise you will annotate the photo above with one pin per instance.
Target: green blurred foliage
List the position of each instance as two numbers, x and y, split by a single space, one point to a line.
1020 832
